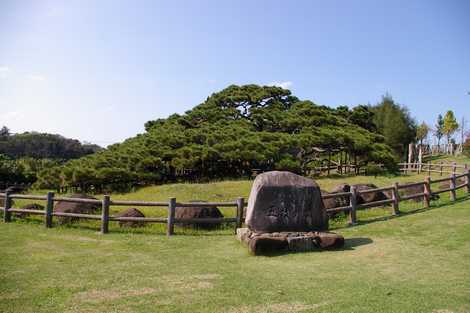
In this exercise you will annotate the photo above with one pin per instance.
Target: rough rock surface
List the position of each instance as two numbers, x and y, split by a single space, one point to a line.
70 207
199 212
131 212
371 196
266 243
341 201
283 201
362 198
30 206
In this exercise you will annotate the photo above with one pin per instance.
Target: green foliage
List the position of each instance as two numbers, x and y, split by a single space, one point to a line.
234 131
422 132
394 122
450 125
439 131
42 146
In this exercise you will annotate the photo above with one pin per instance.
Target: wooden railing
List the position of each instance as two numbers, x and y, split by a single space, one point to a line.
106 202
394 199
440 168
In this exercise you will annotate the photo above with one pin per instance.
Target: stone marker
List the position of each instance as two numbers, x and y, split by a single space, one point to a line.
284 201
286 213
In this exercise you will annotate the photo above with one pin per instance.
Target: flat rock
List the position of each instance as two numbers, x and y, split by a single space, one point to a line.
266 243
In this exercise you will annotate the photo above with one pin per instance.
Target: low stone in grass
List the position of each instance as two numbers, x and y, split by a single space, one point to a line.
195 212
30 206
131 212
370 196
71 207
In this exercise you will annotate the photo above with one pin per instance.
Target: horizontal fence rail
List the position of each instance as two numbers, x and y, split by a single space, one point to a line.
441 168
425 191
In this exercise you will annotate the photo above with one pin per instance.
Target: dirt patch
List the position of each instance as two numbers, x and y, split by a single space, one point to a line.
167 283
107 295
276 308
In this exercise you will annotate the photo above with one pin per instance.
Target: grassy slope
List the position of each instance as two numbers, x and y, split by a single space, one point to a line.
459 159
417 262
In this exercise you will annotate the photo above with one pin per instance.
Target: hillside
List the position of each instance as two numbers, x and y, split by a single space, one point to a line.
43 146
234 131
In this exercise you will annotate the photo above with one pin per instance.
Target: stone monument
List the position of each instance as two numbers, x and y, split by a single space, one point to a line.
286 212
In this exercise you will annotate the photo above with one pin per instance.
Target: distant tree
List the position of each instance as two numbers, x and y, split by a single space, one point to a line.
363 116
395 123
44 146
232 132
4 131
422 132
450 125
439 131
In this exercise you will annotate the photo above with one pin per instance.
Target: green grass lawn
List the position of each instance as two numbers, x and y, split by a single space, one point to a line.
417 262
459 159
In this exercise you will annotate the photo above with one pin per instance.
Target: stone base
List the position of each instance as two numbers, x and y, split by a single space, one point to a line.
265 243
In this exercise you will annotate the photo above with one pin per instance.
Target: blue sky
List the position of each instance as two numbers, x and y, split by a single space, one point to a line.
98 70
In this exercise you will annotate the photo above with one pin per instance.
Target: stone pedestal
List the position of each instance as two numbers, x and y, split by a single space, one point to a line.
266 243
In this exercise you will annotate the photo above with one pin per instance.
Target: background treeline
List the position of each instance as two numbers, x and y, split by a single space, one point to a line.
23 156
236 130
42 146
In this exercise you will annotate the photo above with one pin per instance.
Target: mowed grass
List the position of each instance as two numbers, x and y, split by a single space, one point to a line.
417 262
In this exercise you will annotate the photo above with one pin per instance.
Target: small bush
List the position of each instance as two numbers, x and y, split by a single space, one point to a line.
374 169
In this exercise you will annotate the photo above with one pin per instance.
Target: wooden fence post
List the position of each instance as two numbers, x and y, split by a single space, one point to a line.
353 204
467 180
396 200
440 168
454 168
240 209
427 192
6 212
49 208
420 167
453 196
429 168
105 215
170 230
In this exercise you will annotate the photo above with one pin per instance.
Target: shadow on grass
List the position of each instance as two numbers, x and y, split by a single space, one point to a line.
351 243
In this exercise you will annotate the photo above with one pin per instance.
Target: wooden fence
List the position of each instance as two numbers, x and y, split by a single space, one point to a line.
393 191
440 168
105 217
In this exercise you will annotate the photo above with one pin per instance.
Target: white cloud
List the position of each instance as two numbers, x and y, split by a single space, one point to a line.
4 71
36 77
285 85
